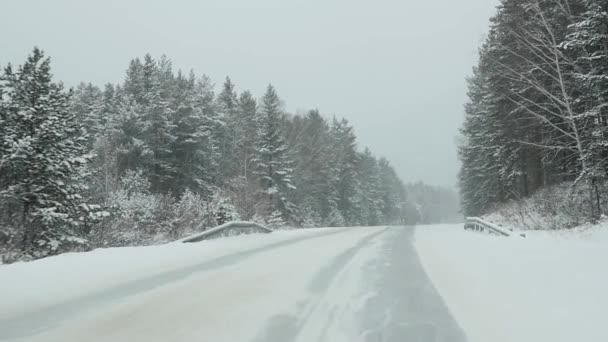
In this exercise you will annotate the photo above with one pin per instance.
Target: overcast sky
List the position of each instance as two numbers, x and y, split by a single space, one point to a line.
395 68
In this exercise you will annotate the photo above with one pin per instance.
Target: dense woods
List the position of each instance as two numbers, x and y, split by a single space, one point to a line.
162 155
537 118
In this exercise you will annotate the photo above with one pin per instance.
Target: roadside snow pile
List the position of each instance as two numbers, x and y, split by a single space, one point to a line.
550 286
31 286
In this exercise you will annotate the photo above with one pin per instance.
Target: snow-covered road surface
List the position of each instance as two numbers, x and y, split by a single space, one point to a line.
549 287
356 284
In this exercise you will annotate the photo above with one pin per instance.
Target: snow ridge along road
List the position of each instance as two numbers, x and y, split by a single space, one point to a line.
356 284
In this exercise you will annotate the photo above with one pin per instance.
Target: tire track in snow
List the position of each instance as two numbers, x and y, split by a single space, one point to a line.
394 302
48 318
286 328
406 306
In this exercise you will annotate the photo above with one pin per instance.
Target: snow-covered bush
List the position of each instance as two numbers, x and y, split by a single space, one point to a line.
335 219
136 218
561 206
275 220
221 209
136 215
257 218
311 218
192 213
139 217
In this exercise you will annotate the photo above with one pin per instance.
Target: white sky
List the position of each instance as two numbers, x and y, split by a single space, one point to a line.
395 68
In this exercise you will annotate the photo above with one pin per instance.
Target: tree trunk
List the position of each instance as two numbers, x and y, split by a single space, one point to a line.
27 228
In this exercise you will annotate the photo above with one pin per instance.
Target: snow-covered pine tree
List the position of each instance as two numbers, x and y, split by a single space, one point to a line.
310 142
587 44
133 84
159 128
273 163
247 133
131 149
343 182
188 148
209 150
97 111
227 111
393 197
243 185
87 105
43 160
479 179
368 195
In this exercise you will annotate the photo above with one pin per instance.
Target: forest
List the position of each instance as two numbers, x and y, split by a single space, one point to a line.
536 125
162 155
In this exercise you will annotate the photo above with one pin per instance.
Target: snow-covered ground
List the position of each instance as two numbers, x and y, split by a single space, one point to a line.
551 286
333 285
32 286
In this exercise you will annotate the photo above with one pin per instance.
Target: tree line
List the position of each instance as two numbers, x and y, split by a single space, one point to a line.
537 114
162 155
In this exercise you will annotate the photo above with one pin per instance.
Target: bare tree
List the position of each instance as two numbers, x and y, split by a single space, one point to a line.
545 73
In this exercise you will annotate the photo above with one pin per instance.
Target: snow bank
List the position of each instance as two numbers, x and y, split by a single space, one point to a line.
28 287
551 286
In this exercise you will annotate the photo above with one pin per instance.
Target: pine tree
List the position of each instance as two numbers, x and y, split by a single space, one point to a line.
587 44
247 133
227 112
131 150
87 105
368 193
134 85
343 181
392 195
105 144
273 164
244 184
310 141
209 152
158 131
44 156
480 184
228 101
189 148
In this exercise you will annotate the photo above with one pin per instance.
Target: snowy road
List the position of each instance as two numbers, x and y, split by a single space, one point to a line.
357 284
